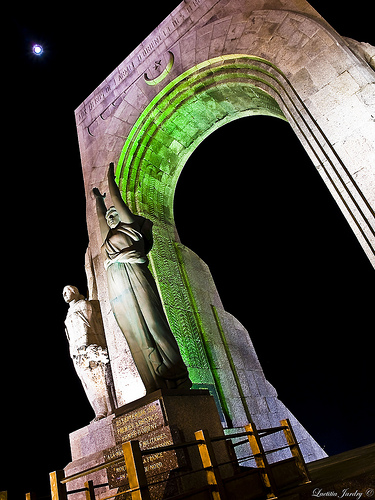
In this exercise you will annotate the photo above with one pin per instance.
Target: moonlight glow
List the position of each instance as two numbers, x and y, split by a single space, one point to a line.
37 50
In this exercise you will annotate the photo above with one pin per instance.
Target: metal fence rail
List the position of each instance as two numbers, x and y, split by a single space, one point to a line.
215 485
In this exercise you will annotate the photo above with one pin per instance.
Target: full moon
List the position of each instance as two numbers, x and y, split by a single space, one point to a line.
37 49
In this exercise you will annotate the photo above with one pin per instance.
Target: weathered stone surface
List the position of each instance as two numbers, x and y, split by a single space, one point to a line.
93 438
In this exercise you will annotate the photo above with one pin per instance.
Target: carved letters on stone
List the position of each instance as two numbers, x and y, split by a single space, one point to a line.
182 14
138 422
147 424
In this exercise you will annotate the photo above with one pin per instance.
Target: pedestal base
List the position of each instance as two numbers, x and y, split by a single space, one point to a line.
159 419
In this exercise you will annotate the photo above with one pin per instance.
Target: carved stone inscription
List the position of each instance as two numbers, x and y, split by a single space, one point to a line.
156 463
179 21
138 422
149 425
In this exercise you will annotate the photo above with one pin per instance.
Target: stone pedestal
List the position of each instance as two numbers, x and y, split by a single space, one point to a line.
158 419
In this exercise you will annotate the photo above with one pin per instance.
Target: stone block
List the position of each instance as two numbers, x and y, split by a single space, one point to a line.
344 85
308 28
221 27
322 71
216 46
237 409
188 43
349 113
367 94
267 30
288 28
272 404
236 29
264 387
253 386
304 84
93 438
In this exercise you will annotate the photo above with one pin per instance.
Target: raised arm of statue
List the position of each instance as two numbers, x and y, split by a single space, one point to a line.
121 207
101 210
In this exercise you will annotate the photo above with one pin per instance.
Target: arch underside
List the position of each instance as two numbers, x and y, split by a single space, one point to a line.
180 117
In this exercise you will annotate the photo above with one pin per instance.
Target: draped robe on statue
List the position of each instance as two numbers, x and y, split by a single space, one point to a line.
139 312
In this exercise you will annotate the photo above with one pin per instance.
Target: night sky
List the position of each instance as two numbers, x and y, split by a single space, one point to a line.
295 275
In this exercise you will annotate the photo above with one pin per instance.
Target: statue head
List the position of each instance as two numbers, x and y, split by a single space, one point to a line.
71 293
112 217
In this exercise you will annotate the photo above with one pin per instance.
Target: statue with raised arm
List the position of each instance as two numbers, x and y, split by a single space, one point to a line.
134 298
88 350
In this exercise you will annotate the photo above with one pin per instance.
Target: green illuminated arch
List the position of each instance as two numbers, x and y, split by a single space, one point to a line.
186 111
176 121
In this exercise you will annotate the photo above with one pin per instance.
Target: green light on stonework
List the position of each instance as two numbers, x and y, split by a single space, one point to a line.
176 93
207 349
156 149
139 126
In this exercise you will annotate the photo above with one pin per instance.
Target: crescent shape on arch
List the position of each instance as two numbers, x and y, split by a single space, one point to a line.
163 74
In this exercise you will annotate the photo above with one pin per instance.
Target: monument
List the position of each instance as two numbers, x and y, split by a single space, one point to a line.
208 63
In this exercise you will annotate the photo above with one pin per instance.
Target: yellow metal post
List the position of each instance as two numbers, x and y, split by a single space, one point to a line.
58 490
261 460
136 471
210 464
295 450
90 492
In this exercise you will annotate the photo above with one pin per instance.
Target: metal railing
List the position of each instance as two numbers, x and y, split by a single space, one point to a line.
215 483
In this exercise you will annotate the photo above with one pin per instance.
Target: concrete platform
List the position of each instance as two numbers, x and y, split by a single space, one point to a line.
349 475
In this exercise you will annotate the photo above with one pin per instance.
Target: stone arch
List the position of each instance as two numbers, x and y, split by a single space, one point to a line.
167 132
188 109
284 43
228 60
192 106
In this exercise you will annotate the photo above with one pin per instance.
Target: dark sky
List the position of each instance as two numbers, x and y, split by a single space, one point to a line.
298 280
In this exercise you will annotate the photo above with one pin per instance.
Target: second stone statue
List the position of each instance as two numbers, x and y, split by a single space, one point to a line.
88 349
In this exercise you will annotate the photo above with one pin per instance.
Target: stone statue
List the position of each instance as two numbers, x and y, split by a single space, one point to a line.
88 349
133 294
